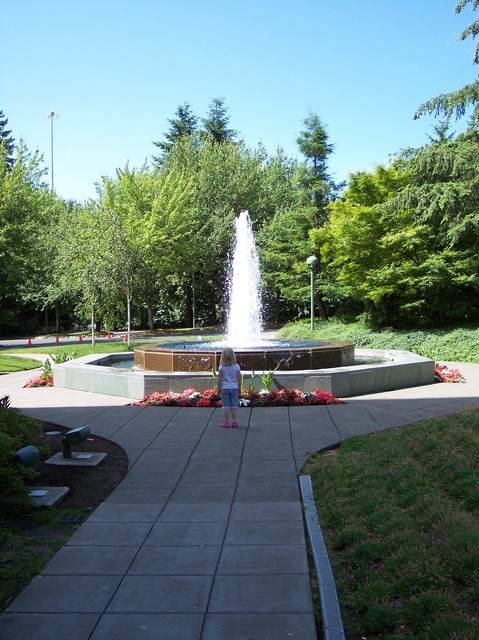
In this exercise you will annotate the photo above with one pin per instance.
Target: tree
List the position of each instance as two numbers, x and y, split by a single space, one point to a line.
25 207
313 177
184 124
315 184
457 101
7 143
216 123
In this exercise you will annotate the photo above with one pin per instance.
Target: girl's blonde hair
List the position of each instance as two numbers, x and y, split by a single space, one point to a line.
228 357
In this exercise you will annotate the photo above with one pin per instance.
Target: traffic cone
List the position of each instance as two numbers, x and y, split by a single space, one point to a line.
29 342
124 338
57 340
81 338
108 336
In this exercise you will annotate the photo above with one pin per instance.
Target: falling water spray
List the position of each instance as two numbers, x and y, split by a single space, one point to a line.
245 312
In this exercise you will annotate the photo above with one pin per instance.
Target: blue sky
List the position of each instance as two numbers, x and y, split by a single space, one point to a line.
116 70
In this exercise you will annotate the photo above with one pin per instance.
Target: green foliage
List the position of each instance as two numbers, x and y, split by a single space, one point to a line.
267 379
16 431
453 344
400 531
25 205
400 245
457 102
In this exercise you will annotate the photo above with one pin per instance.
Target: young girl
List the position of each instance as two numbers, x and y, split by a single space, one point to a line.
228 385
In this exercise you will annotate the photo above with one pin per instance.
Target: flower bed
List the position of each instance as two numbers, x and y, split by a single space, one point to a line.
248 398
42 380
444 374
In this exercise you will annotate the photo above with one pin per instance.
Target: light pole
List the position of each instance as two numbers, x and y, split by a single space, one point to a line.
52 115
312 263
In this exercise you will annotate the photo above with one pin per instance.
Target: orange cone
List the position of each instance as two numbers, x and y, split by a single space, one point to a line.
108 336
57 340
81 338
29 342
124 338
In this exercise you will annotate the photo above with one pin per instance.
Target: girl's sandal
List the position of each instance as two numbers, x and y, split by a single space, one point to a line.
234 424
224 424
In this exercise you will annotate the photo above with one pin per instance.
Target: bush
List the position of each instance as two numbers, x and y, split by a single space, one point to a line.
16 431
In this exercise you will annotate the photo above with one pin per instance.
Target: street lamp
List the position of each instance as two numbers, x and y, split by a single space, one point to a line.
312 263
52 115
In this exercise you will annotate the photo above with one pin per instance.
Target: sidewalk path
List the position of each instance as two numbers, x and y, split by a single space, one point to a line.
204 538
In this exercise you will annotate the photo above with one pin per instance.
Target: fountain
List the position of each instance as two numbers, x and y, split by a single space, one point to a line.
244 329
331 366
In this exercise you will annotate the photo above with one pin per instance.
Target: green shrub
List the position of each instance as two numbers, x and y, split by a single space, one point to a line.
455 344
16 431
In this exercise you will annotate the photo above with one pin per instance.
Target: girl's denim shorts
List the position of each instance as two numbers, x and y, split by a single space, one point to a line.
229 398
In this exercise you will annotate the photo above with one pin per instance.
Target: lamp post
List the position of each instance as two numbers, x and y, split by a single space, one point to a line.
312 263
52 115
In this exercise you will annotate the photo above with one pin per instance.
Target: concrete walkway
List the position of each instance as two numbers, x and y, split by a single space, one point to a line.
204 538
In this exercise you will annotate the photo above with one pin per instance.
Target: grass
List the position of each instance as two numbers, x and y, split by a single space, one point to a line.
10 364
77 350
460 344
24 555
400 514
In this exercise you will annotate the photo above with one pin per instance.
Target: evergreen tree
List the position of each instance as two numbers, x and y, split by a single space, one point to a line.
7 143
457 101
184 124
216 124
314 179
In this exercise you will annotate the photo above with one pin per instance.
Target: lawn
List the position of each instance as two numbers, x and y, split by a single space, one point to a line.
400 515
10 364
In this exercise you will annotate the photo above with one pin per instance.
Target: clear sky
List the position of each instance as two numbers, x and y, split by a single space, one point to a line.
116 70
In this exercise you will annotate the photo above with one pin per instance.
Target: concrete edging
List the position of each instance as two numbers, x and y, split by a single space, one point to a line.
330 612
389 370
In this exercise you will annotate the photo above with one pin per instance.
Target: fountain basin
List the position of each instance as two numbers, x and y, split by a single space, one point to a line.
388 370
205 356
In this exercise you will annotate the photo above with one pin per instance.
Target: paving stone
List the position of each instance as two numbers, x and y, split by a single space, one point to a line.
62 594
269 533
149 626
161 594
274 511
122 512
204 512
110 533
207 480
71 560
153 480
263 626
265 494
139 495
45 626
176 560
263 559
186 533
203 494
261 594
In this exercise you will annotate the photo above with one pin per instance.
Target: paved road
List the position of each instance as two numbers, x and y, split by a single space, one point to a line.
204 538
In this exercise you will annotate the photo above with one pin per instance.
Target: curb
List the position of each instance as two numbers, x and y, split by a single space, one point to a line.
330 612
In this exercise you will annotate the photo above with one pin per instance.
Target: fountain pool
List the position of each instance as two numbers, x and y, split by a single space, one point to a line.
330 366
375 370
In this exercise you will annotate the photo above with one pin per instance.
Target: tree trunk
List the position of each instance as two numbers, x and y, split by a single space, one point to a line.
128 320
151 314
189 308
92 325
323 315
